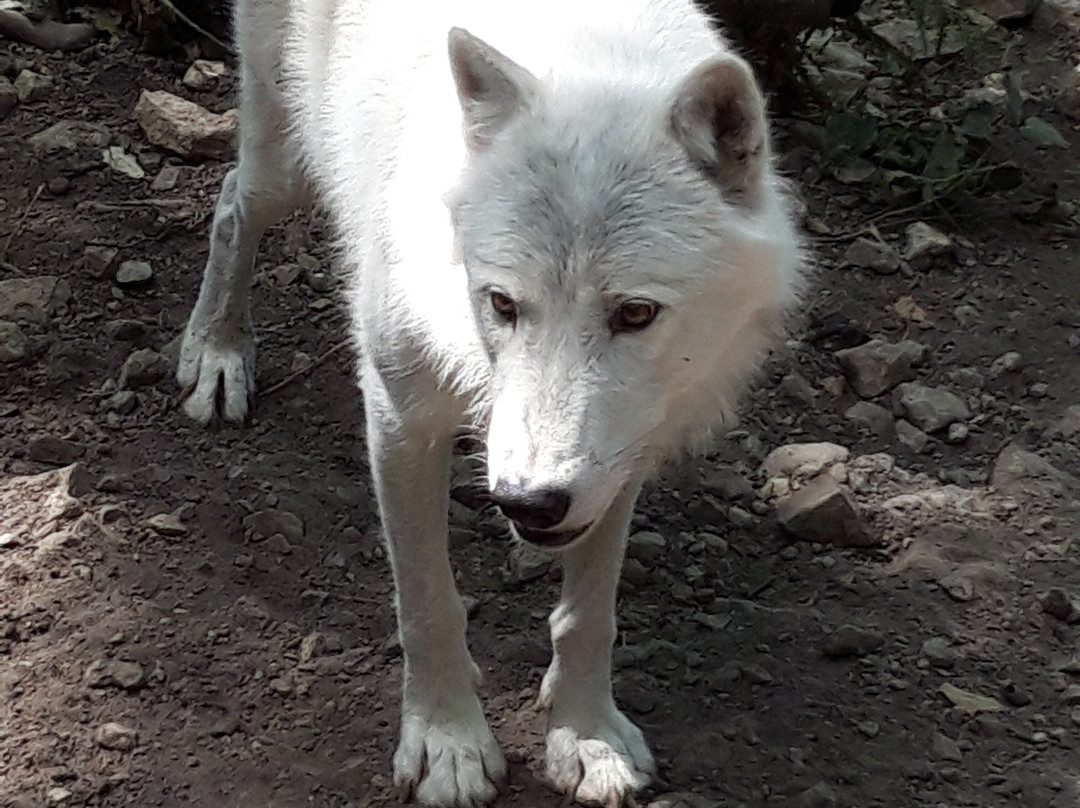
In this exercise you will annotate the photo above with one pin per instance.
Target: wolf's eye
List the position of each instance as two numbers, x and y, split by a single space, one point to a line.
505 308
633 315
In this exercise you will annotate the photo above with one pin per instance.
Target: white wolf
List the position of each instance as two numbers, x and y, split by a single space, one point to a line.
562 227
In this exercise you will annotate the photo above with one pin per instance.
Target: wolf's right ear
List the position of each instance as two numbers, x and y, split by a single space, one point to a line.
492 88
719 118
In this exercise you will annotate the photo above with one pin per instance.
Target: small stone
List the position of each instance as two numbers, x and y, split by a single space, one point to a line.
115 736
877 366
803 460
167 524
203 74
925 244
143 368
911 436
9 97
852 641
931 408
823 511
263 524
945 748
647 547
70 136
132 272
1060 606
183 127
99 258
31 86
869 416
1008 362
958 433
57 795
53 450
1015 695
311 646
12 342
874 255
166 179
58 186
939 652
281 686
278 545
122 402
128 675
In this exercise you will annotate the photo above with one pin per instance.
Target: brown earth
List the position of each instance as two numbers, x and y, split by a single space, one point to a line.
224 593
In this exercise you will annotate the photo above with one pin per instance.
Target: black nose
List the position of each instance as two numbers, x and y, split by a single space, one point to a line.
537 508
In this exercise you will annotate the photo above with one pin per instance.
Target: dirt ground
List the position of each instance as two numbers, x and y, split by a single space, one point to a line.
192 617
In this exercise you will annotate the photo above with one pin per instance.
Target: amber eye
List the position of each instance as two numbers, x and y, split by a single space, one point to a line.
505 308
633 315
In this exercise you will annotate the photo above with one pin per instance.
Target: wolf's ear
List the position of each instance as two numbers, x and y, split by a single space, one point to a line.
719 118
492 88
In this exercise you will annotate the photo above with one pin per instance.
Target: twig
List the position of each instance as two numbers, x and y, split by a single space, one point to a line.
297 374
195 26
22 220
112 207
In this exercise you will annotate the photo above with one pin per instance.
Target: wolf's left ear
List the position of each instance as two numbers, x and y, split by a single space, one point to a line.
492 88
719 118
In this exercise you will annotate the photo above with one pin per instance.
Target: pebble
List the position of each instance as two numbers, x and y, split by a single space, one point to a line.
931 408
261 525
647 547
122 402
127 675
872 417
958 433
824 511
58 795
878 366
133 272
143 367
1058 604
1008 362
866 253
925 244
203 74
278 544
98 259
13 342
939 652
115 736
852 641
167 524
945 748
31 86
183 127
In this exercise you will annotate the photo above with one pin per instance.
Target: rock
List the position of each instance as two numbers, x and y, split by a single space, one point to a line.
911 436
99 258
939 652
261 525
1020 469
852 641
823 511
132 272
526 563
877 366
647 547
31 86
166 179
1011 13
1067 426
1008 362
311 646
278 545
931 408
78 143
968 702
115 736
872 417
203 74
945 748
167 524
872 254
12 342
32 300
682 800
1016 695
53 450
114 673
958 433
183 127
925 244
58 795
803 460
1068 94
142 368
122 402
819 795
9 97
1060 606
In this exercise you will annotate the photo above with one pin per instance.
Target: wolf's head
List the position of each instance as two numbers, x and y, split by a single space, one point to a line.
628 255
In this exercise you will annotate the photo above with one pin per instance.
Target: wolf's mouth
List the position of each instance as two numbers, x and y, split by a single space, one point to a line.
549 538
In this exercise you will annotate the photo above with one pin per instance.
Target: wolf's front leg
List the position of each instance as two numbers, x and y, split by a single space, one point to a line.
447 755
594 753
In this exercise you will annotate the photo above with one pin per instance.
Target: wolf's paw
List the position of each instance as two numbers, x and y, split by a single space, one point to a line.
452 763
216 378
600 767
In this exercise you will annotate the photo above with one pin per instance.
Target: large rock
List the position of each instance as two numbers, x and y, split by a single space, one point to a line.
183 127
931 408
878 366
823 511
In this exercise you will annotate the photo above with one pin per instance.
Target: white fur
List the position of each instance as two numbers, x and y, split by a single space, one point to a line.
573 157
